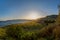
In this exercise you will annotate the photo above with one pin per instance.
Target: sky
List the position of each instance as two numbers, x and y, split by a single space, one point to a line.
27 9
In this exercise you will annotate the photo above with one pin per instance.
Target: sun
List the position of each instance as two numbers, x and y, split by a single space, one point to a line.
33 15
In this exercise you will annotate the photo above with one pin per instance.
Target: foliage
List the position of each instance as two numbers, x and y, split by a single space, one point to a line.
31 31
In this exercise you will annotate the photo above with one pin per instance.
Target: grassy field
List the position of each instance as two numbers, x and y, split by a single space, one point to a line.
31 31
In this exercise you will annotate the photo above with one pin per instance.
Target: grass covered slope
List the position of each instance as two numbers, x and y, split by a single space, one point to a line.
31 31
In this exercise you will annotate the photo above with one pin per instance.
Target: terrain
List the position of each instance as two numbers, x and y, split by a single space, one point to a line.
47 28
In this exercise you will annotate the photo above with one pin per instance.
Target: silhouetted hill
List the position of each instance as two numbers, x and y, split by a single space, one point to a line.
16 21
48 19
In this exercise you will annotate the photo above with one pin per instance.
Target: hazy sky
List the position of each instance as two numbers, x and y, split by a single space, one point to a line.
21 9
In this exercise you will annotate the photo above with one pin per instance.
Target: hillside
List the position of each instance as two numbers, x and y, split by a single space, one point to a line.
48 19
32 30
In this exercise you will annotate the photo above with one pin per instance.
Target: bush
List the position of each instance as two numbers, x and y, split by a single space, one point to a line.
14 32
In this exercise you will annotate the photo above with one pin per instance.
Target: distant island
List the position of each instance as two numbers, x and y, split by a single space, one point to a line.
15 21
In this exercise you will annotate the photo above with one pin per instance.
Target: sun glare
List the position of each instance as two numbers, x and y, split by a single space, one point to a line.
33 15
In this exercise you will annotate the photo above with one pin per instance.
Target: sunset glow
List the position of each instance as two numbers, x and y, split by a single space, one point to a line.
33 15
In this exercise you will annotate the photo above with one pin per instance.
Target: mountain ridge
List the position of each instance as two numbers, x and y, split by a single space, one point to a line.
16 21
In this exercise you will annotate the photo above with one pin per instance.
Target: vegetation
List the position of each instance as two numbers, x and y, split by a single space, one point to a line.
32 30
